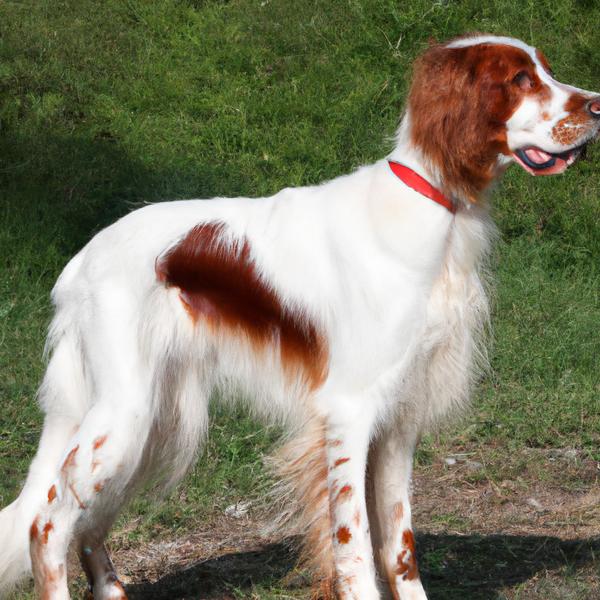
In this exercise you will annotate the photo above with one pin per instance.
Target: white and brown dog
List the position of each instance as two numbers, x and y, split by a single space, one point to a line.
350 311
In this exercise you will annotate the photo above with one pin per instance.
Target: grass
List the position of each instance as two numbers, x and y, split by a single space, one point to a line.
105 106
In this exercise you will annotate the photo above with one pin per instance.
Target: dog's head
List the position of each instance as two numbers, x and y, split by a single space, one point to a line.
478 103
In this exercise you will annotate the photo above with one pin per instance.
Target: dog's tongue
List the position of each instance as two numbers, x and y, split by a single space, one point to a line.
537 156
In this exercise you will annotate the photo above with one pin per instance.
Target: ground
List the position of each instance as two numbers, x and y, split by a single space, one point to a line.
523 529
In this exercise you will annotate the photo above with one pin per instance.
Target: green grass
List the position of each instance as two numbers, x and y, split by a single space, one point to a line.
106 105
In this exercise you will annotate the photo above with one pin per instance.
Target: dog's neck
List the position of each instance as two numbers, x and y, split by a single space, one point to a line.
408 154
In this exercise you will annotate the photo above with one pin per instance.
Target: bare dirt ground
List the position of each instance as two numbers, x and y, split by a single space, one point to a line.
528 529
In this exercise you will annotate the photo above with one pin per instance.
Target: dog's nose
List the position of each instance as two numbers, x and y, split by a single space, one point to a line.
593 107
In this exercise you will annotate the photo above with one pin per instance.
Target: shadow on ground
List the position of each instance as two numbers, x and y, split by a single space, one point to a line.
216 578
453 567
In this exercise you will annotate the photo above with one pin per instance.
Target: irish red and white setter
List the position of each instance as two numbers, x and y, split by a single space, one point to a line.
352 312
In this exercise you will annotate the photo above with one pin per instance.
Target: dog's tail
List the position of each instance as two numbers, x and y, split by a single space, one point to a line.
63 398
14 557
302 495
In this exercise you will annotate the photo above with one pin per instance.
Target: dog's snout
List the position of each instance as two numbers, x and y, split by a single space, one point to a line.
593 107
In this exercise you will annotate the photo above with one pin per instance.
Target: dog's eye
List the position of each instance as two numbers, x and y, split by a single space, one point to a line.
523 80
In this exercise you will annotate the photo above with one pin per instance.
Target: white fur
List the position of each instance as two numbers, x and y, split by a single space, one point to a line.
391 279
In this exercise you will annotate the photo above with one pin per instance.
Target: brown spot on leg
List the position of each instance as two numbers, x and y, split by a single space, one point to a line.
408 540
47 577
340 461
51 494
397 513
48 527
343 535
99 486
119 586
407 559
70 460
344 494
99 442
344 587
356 518
33 530
82 506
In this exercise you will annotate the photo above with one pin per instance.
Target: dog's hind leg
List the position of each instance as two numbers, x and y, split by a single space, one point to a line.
392 468
103 582
101 461
63 398
95 476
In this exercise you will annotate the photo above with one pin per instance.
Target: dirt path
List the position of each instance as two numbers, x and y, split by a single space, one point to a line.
528 528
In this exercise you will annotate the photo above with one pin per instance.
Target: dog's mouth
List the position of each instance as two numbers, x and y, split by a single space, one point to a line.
538 162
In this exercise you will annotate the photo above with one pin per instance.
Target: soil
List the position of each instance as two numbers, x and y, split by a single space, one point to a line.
529 529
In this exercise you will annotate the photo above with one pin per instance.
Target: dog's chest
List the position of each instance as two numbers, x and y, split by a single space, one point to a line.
432 333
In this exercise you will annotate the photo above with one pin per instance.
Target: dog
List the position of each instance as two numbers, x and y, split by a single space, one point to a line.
353 312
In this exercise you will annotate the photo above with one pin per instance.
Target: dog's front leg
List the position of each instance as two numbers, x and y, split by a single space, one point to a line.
347 449
392 469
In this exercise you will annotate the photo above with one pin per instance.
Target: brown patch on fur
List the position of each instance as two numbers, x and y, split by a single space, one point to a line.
48 527
119 586
344 494
82 506
567 132
356 518
51 494
70 460
407 565
220 284
33 530
335 443
544 62
340 461
343 535
576 102
397 513
98 487
460 100
99 442
575 125
46 578
159 273
344 587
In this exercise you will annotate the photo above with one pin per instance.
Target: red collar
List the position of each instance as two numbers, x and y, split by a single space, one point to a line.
421 185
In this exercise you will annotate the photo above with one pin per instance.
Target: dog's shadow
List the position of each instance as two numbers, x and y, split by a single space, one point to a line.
452 567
